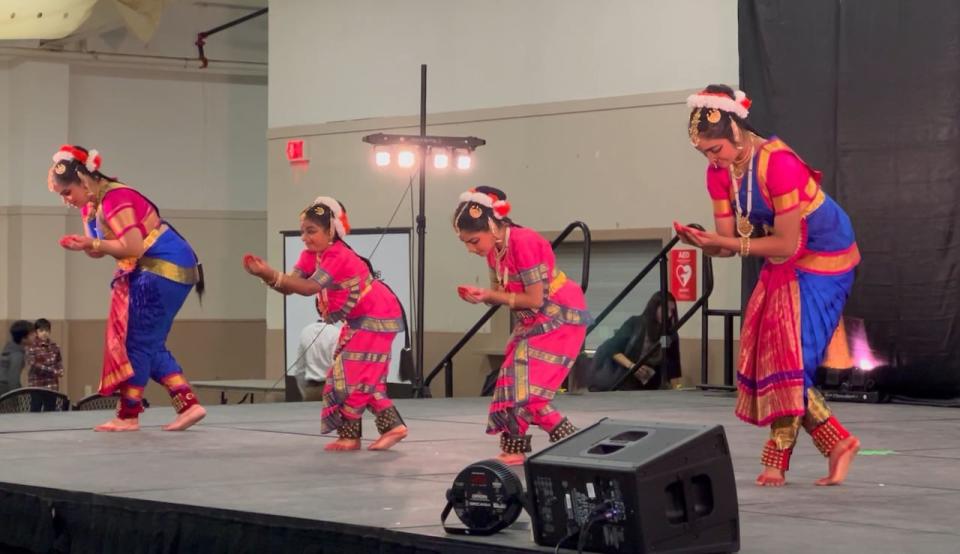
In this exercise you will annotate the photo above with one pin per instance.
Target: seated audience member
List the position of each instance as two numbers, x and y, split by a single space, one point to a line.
638 334
318 343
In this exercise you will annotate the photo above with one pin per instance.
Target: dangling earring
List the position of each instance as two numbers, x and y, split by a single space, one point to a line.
93 192
493 231
737 135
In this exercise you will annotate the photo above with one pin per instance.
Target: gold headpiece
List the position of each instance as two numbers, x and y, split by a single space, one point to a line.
694 130
60 169
475 211
319 210
713 116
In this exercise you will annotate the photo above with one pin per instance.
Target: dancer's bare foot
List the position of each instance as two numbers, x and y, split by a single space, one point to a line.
771 477
117 425
841 457
186 418
511 459
343 445
390 438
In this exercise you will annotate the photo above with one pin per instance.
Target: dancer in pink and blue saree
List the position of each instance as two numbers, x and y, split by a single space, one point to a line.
769 203
156 269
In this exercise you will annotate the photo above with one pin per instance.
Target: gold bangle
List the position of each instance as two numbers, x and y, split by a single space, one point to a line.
96 245
744 247
274 283
279 281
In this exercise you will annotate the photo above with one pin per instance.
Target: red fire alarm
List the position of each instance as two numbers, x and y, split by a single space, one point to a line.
295 153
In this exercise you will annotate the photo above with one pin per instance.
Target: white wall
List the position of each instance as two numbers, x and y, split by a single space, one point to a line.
37 95
348 59
5 124
193 142
187 143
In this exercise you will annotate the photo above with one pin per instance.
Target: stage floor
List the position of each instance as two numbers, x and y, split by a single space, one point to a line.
903 493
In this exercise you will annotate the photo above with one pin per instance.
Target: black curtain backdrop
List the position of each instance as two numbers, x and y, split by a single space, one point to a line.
868 91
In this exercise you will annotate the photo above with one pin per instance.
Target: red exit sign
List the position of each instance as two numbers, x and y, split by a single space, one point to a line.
295 151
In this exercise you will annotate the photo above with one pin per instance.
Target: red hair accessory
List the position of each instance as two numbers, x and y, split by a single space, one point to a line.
91 159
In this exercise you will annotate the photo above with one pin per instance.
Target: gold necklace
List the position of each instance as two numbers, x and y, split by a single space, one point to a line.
97 200
101 192
744 227
739 165
502 276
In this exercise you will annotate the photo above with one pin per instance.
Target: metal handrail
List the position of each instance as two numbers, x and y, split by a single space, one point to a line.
660 260
446 363
707 277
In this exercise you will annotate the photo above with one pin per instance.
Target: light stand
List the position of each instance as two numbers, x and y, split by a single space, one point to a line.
423 144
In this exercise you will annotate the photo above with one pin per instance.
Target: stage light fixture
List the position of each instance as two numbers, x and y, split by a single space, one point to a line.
406 158
855 384
441 159
423 144
464 159
486 496
382 157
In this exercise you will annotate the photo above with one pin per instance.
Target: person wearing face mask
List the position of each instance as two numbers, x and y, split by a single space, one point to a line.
347 291
550 319
156 269
637 336
768 203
